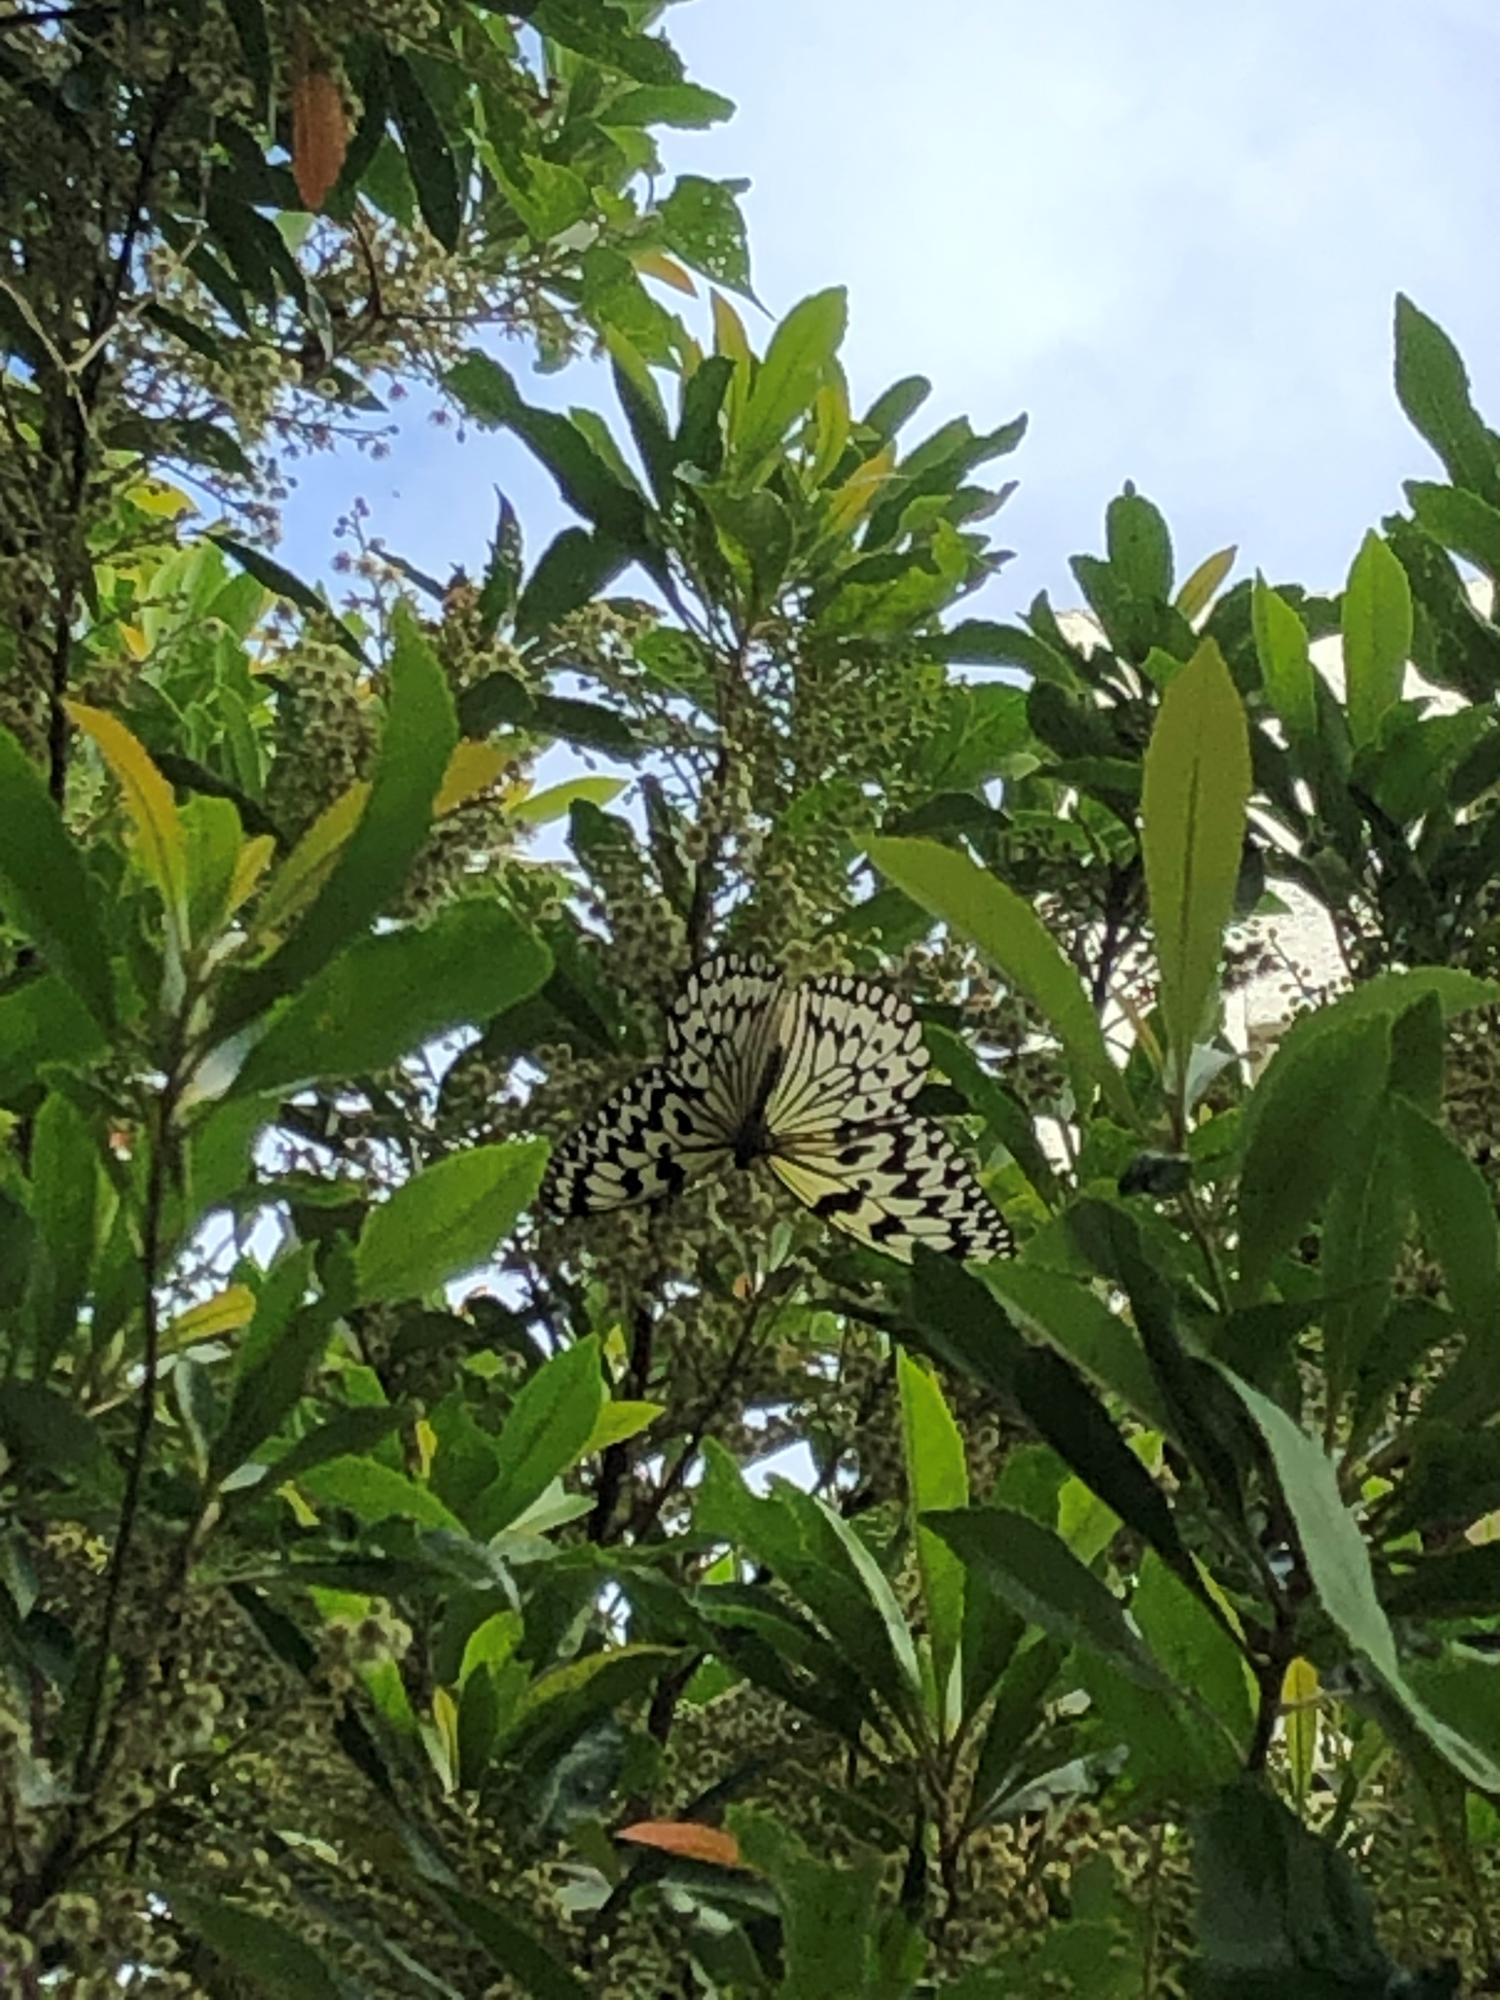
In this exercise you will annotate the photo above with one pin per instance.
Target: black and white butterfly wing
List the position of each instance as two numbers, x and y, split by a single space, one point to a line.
852 1054
644 1143
723 1031
895 1186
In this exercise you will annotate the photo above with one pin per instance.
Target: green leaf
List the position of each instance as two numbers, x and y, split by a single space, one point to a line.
350 1434
1461 521
266 1394
489 393
44 1021
1362 1238
248 18
1037 1573
795 363
701 221
390 993
1339 1564
280 579
548 1429
682 104
1197 783
257 1949
1464 1583
446 1220
571 570
64 1199
373 1492
418 740
1303 1125
44 1431
1281 1911
510 1946
936 1477
1005 1117
1457 1216
1377 625
44 890
1434 392
1011 935
604 32
1140 548
1071 1316
1285 665
429 156
1193 1646
828 1911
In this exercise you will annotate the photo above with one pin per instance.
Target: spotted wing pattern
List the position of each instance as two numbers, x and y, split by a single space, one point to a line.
852 1055
895 1186
822 1076
645 1142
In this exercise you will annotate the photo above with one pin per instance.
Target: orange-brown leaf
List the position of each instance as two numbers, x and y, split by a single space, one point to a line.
687 1839
320 135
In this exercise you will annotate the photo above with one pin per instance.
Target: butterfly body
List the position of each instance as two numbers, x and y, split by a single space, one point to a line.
816 1080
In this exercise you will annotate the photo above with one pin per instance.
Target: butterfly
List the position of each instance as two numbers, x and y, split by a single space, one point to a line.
815 1079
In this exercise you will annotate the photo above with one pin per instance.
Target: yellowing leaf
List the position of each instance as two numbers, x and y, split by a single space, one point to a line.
154 496
1299 1699
618 1421
730 336
445 1719
472 769
1197 593
859 492
656 264
250 864
226 1311
557 800
135 641
305 869
684 1837
302 1514
149 802
427 1444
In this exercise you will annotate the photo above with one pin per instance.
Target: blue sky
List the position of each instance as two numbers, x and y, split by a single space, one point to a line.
1171 231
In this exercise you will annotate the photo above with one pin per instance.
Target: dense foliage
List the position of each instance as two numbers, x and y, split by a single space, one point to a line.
1129 1625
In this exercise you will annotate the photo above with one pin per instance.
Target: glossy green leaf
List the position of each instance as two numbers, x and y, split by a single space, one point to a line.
275 576
1377 626
1140 548
1461 521
828 1911
352 1433
682 104
44 1021
548 1428
1197 783
429 156
1303 1124
64 1202
44 890
571 570
936 1477
389 993
1011 935
417 741
374 1492
258 1949
1071 1315
266 1394
1338 1561
1433 388
795 363
1285 665
1456 1212
446 1220
701 221
1036 1572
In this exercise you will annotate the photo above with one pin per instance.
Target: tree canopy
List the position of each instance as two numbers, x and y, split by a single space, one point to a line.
407 1589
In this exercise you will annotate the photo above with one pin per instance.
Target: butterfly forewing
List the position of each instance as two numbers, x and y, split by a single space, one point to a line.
896 1186
646 1141
723 1031
853 1056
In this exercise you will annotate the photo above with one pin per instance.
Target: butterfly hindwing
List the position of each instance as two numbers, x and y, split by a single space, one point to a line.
646 1141
895 1186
